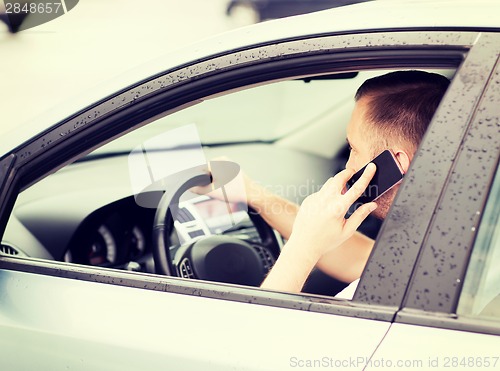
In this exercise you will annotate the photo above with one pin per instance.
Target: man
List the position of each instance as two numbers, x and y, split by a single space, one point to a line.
392 111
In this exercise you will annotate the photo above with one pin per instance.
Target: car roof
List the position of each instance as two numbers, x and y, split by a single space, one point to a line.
362 17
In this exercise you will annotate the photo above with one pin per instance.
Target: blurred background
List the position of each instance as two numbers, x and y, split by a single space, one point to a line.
98 39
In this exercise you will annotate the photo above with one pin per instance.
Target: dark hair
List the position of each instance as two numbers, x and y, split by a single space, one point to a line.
401 104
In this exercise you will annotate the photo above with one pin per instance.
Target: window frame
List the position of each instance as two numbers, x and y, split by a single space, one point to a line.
443 232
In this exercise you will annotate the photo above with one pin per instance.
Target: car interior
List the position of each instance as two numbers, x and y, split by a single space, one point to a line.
102 209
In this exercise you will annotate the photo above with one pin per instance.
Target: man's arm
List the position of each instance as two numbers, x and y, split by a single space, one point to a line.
346 262
277 211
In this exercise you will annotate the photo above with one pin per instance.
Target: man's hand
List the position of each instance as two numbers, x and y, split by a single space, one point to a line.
319 227
236 190
320 224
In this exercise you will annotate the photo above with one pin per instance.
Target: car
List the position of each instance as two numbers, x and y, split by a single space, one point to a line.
110 261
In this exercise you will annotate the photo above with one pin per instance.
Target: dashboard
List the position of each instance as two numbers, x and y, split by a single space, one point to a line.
116 235
86 213
119 235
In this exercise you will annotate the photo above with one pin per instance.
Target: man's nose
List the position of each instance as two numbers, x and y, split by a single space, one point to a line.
348 164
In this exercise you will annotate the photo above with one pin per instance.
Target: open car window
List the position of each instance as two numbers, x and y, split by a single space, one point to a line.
101 210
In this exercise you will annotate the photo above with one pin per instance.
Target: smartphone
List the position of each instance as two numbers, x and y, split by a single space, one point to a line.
387 175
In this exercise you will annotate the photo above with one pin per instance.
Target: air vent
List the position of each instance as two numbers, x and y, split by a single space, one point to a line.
185 270
8 250
267 258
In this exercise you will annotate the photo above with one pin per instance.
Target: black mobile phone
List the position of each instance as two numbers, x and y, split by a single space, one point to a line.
387 175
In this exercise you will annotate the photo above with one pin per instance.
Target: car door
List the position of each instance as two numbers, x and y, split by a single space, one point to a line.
445 321
71 316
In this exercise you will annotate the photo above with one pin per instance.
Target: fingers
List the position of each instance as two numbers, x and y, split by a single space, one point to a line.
360 186
358 216
337 183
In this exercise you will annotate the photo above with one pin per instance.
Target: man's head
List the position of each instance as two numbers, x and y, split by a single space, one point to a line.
392 111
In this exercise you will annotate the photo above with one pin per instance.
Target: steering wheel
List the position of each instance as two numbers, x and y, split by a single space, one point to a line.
219 258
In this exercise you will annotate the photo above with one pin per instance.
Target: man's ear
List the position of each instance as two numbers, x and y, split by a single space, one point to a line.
403 158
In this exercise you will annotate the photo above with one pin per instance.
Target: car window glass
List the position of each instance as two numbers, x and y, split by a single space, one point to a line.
481 292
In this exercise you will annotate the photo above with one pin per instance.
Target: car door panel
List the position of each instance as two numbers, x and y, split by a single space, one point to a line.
69 324
427 348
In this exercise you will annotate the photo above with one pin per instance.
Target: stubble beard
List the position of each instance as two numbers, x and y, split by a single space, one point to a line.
384 203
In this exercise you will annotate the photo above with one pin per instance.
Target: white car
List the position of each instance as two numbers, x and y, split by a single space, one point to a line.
97 274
